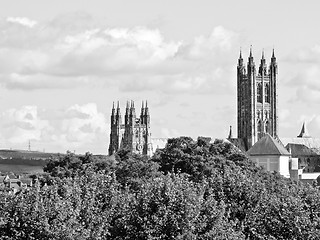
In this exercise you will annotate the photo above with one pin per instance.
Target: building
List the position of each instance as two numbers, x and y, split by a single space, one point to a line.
258 124
270 154
307 150
14 184
134 134
256 100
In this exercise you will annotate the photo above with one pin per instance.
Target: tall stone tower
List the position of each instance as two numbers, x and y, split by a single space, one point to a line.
115 134
134 134
257 99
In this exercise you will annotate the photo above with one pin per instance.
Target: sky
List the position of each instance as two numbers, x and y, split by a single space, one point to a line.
63 63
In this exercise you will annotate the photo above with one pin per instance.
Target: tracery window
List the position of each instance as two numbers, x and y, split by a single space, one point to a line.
267 127
259 92
267 93
259 128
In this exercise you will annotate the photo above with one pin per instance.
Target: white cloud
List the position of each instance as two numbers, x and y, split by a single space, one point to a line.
78 126
21 125
64 53
23 21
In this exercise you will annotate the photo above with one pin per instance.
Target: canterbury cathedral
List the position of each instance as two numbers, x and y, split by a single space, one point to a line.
257 121
134 134
257 99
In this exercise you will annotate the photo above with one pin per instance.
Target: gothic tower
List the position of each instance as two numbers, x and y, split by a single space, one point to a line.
257 99
115 134
134 134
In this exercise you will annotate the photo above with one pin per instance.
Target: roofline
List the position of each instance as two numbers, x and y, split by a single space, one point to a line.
262 154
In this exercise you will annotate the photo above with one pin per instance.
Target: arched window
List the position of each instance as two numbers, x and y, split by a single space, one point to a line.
267 127
259 128
259 92
267 93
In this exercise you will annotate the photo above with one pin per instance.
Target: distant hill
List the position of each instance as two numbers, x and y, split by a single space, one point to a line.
21 161
23 154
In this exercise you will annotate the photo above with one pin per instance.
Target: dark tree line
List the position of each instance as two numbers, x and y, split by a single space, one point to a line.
188 190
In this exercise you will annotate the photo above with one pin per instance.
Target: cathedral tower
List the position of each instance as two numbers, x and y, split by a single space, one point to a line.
257 99
134 134
115 134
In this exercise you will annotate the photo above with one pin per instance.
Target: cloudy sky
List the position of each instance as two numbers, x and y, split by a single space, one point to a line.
62 63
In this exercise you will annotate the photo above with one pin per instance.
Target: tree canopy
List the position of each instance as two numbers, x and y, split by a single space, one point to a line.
188 190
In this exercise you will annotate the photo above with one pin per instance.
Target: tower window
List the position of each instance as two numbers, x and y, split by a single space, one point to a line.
259 92
259 129
267 93
267 128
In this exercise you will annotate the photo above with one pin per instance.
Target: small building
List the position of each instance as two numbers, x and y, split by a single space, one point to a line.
270 154
308 159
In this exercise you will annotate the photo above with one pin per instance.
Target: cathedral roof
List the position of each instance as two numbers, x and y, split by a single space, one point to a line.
268 146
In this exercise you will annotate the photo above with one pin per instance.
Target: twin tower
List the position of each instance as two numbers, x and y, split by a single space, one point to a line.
134 134
257 99
257 110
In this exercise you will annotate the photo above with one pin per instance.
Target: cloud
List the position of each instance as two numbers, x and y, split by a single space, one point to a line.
74 127
21 125
22 21
75 50
305 74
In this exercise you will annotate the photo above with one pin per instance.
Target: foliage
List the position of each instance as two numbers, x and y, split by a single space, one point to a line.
188 190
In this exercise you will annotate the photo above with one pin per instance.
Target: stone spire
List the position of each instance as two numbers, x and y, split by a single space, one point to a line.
142 113
132 109
112 112
263 66
240 60
230 133
118 108
250 60
304 132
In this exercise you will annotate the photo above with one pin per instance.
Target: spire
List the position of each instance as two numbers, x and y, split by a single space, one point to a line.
250 58
304 131
132 109
112 111
146 114
273 58
118 108
230 133
142 113
263 66
240 60
273 53
127 108
146 109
